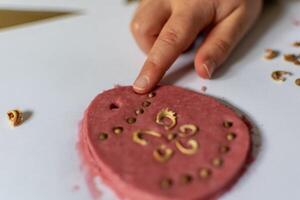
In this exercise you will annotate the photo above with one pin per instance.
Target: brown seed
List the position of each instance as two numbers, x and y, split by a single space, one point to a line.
271 54
290 57
151 95
146 104
186 179
296 44
217 162
231 136
166 183
139 111
204 173
118 130
297 81
227 124
224 149
131 120
103 136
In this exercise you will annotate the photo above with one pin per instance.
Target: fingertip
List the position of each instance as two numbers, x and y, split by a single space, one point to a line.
202 72
141 84
203 68
140 90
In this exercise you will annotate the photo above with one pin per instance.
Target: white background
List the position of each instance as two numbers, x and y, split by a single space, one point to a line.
55 68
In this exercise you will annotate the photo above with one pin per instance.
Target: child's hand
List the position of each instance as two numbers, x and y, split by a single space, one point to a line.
165 28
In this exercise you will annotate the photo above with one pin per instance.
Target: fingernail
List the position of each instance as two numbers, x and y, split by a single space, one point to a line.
209 67
141 83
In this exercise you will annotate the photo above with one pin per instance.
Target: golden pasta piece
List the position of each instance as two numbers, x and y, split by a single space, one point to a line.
271 54
166 114
15 117
162 153
297 62
118 130
187 130
166 183
204 173
190 149
138 136
290 57
217 162
296 44
280 76
103 136
297 81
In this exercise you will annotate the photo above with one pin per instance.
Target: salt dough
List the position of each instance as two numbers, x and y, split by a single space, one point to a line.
113 151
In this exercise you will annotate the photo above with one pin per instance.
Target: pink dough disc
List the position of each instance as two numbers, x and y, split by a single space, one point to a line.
122 134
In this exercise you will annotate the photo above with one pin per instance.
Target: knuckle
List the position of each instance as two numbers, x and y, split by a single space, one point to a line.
223 46
134 26
137 27
170 37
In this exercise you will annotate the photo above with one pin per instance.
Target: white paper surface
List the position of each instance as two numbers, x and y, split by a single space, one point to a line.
55 68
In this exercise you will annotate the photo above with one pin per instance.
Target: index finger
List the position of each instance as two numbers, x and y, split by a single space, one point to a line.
178 33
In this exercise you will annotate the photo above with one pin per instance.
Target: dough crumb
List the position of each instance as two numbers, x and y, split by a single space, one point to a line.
203 89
